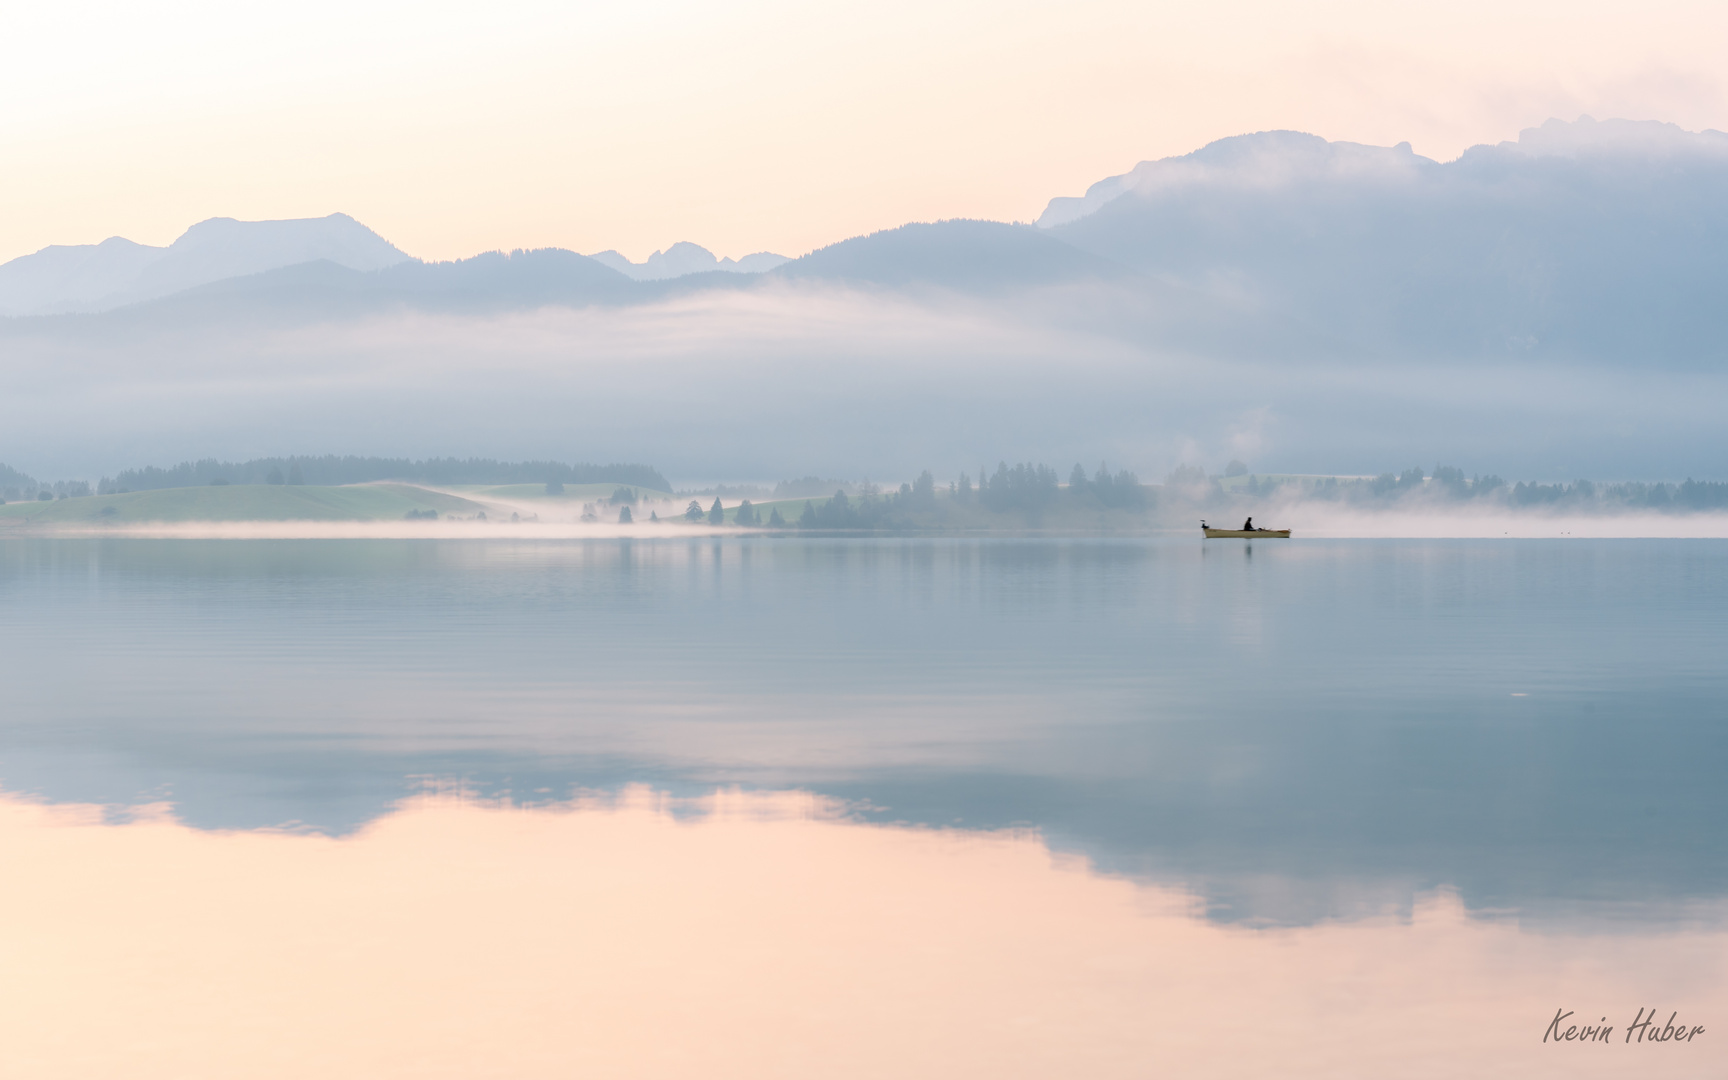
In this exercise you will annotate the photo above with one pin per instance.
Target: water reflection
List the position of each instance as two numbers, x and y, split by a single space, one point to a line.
1314 734
752 935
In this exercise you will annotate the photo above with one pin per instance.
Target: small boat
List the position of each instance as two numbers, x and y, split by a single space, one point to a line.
1244 534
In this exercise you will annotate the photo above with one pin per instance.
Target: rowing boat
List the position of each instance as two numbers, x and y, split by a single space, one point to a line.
1244 534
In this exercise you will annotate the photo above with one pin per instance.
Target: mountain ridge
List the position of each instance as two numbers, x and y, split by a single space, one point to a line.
1594 240
63 279
685 258
1601 239
1245 161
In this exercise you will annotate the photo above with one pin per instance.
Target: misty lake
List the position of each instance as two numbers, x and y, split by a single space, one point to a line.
766 807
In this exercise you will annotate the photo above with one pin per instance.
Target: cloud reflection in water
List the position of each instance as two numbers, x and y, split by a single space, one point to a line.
751 935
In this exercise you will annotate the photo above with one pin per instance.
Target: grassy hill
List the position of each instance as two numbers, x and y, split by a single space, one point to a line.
241 502
577 493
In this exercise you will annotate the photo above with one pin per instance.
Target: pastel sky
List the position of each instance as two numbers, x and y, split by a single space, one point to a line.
458 127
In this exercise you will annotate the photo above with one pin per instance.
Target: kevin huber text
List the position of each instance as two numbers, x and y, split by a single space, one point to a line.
1644 1027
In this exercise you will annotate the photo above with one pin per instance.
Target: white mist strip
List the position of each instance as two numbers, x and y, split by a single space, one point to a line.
1316 521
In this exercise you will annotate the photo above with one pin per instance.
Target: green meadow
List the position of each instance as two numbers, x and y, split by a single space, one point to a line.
241 502
573 493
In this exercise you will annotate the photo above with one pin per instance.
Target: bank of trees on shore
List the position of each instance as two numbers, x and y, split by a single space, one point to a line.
1025 492
1688 495
331 470
16 486
1021 494
1449 485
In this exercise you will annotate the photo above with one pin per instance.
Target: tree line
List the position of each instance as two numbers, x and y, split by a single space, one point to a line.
1450 484
16 486
1026 488
331 470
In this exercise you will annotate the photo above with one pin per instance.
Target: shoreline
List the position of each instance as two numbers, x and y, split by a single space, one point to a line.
1320 527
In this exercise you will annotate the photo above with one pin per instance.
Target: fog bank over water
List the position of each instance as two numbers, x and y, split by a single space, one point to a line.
1322 520
795 378
1307 520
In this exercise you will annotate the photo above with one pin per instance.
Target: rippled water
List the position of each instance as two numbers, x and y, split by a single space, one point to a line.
872 807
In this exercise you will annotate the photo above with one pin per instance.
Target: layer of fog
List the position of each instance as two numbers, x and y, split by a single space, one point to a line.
1317 519
793 378
1310 521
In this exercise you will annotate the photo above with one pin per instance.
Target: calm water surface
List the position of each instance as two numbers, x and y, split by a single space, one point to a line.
786 807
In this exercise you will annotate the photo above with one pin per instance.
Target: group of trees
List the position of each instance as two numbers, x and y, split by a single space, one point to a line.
626 515
1121 490
1449 484
331 470
1444 482
1024 488
1688 495
810 487
31 490
294 476
749 515
872 509
868 511
16 486
746 514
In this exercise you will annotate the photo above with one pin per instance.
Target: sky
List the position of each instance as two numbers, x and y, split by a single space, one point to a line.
455 128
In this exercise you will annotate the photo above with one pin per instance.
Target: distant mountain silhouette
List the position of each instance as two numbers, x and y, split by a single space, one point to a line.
72 277
543 276
685 258
322 289
957 254
1603 241
116 272
1607 239
978 256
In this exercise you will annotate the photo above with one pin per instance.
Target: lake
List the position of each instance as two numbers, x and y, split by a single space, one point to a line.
782 806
